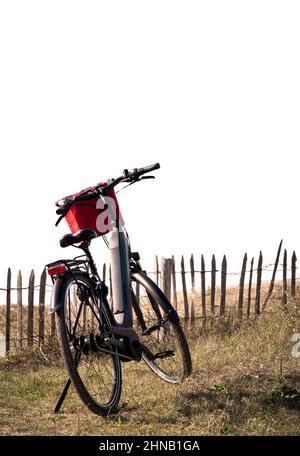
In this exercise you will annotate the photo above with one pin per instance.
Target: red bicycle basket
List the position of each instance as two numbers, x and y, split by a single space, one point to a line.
85 214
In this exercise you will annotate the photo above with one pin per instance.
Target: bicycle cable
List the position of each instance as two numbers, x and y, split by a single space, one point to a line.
125 186
106 242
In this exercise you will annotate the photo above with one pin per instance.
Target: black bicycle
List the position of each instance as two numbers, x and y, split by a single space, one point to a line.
95 337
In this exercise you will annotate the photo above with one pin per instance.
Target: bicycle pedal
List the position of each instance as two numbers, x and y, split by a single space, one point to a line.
164 354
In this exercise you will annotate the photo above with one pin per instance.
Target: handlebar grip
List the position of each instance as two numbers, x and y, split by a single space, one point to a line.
147 169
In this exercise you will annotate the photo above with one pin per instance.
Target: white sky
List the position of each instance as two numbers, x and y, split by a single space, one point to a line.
210 89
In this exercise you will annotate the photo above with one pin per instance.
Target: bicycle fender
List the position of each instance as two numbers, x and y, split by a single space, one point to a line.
57 297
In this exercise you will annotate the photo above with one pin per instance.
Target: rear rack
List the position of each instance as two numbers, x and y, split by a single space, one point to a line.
69 264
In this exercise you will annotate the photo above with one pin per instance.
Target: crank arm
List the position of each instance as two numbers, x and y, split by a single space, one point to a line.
159 355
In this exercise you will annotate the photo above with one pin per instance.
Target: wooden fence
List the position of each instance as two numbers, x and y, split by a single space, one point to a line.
250 298
193 293
26 324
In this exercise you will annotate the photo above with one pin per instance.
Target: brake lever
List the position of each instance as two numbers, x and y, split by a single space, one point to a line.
59 220
132 181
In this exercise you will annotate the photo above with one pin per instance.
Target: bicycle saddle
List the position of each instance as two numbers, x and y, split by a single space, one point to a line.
80 236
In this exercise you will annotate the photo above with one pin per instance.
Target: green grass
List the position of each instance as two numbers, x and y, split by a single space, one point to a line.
244 382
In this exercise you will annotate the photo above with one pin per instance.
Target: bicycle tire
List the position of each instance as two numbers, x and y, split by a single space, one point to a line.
89 367
150 308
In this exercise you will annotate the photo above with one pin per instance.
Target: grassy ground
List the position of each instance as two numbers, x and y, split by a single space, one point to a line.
244 382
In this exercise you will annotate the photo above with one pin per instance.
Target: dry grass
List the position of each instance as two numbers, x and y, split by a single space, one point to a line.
244 382
232 297
231 305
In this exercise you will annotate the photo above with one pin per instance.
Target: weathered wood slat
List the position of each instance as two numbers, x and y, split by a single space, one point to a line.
19 311
250 289
166 277
258 285
84 318
184 291
293 278
52 325
203 290
241 287
193 296
168 283
30 309
213 285
174 288
161 284
156 270
165 281
104 272
42 295
269 294
223 286
110 281
8 310
111 290
284 278
137 292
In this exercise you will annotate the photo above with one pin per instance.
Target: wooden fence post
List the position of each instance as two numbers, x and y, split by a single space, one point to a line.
137 292
213 285
241 287
110 289
284 278
30 309
8 308
258 285
173 273
104 272
250 289
203 295
223 286
184 291
84 318
293 278
192 266
19 311
156 270
162 274
52 325
42 295
166 277
273 277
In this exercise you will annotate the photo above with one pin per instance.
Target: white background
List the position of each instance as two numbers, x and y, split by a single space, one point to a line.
210 89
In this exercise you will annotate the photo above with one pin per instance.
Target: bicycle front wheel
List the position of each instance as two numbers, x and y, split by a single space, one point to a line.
94 367
165 348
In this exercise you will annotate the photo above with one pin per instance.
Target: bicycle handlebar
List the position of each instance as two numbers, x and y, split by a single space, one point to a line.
127 176
130 176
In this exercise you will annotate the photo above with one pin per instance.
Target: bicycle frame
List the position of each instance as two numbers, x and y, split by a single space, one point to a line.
120 254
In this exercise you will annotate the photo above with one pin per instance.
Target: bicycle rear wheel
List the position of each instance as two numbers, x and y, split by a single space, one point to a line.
94 367
164 346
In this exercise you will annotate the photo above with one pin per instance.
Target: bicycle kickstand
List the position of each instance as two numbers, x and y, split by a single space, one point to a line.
62 397
67 386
